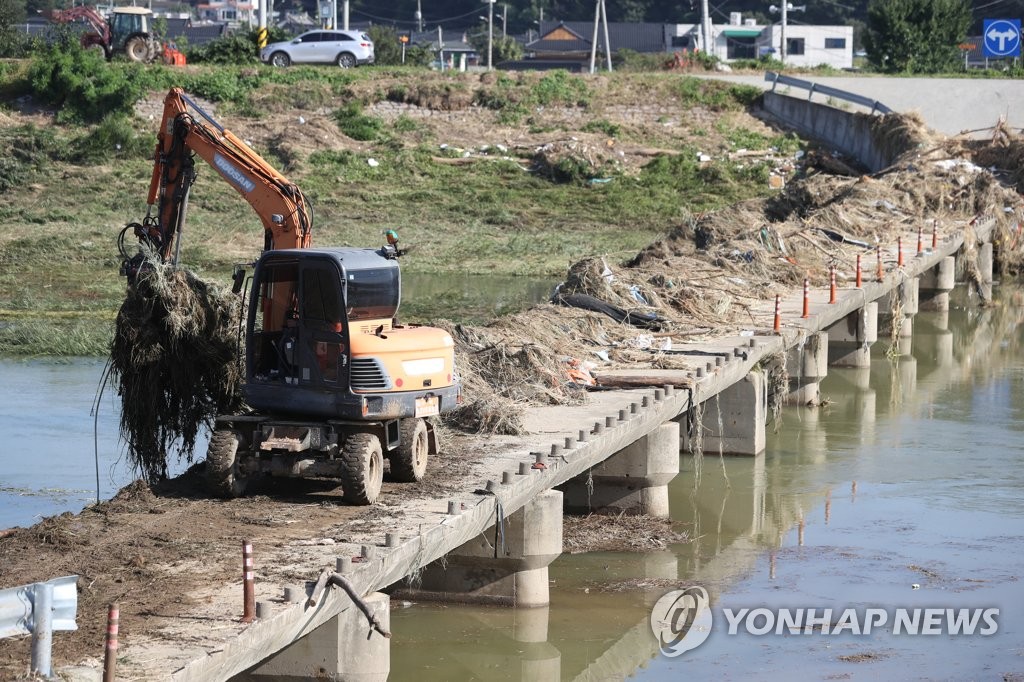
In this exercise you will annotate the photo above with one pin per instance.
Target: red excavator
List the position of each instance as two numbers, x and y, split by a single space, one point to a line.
334 384
128 30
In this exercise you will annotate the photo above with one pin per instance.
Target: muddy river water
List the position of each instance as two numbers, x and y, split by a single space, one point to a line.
905 492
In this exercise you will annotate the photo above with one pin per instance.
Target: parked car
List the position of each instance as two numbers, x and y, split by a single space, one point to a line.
344 48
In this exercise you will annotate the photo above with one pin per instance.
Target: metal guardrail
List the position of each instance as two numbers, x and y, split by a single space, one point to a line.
39 609
812 88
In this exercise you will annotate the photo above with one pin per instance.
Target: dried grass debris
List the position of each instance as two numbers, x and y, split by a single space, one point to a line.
174 362
618 533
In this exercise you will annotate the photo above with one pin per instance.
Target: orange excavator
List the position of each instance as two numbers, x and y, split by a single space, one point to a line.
333 383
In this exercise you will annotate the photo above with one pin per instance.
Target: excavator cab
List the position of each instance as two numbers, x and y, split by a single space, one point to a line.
323 340
299 330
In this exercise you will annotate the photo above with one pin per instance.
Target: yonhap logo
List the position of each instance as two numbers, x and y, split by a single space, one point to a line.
681 620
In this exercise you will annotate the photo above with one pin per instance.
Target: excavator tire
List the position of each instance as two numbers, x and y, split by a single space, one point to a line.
137 49
223 477
362 468
409 459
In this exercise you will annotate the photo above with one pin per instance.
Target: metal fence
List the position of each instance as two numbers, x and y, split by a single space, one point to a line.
776 79
39 609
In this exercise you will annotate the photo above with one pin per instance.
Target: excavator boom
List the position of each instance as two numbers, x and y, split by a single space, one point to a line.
280 205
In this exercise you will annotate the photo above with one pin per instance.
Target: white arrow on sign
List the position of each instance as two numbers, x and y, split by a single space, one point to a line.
1001 36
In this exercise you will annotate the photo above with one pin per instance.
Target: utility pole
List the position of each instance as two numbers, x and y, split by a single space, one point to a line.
440 47
705 28
419 17
607 44
782 34
490 34
504 20
344 16
261 36
600 14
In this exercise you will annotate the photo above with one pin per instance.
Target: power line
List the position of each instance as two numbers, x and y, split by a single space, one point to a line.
413 21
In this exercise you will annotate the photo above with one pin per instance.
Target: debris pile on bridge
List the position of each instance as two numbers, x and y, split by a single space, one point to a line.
174 362
707 276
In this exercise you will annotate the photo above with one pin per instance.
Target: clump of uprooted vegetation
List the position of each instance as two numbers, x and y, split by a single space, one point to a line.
174 362
712 275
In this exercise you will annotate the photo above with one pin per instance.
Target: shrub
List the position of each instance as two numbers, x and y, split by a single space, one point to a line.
355 124
82 85
715 95
603 126
220 85
238 48
560 86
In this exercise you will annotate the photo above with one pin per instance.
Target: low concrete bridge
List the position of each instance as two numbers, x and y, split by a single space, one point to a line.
492 543
618 452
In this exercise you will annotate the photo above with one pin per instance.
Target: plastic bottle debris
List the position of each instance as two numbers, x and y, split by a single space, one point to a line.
637 296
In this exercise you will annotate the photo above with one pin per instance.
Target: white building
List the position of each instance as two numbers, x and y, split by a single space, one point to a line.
806 45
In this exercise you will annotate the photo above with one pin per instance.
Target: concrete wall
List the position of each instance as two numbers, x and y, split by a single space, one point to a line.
850 133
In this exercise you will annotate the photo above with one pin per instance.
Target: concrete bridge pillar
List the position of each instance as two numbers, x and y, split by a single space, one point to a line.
807 365
633 481
986 261
935 285
345 648
505 566
906 294
741 410
850 339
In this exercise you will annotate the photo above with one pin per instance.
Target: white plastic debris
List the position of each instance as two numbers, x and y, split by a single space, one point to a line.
603 354
607 272
641 341
372 163
302 121
664 344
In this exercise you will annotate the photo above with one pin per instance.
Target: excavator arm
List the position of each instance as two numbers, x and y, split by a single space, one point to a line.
280 205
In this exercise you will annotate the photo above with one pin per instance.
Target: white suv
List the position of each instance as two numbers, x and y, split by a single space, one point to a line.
344 48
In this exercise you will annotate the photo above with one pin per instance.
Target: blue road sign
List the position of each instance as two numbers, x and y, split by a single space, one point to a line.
1001 38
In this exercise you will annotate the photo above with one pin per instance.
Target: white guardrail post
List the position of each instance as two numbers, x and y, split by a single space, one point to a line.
40 609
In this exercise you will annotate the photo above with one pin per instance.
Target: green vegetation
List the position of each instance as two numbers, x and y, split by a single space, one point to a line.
916 36
353 123
67 189
713 95
81 85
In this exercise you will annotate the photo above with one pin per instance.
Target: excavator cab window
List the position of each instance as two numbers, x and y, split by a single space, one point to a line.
373 293
323 324
275 317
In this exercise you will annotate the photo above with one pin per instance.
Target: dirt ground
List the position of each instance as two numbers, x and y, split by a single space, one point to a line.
148 549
